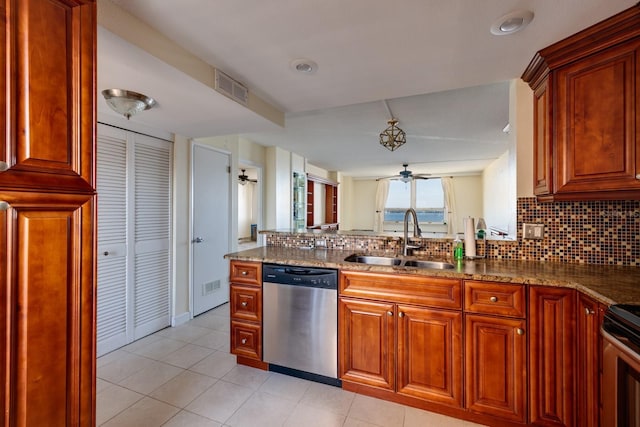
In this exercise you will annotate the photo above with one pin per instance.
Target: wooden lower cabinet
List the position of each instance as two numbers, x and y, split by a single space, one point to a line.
552 348
47 317
495 366
245 301
589 367
367 342
413 351
429 358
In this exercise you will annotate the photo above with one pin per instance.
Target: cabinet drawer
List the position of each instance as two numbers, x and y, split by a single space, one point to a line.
409 289
246 340
247 272
494 298
246 303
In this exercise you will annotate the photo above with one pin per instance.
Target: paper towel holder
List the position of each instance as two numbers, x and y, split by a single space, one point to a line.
481 229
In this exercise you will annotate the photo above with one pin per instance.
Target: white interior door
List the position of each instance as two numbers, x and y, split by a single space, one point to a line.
211 228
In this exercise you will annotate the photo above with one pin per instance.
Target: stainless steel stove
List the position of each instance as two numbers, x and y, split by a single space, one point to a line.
621 366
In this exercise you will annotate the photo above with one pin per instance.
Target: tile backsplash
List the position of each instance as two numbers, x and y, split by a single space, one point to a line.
593 232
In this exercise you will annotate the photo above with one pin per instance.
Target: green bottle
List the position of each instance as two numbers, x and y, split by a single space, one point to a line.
458 250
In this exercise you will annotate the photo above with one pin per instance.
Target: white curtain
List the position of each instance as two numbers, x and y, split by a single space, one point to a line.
449 205
381 199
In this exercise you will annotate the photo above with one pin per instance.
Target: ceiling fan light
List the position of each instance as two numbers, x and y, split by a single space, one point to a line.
392 137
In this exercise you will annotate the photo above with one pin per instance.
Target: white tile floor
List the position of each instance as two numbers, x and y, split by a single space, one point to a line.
185 376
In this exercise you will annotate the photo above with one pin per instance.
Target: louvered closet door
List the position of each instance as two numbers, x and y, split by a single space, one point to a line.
112 239
152 219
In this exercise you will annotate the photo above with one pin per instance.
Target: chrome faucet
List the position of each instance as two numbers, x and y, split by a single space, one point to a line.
416 230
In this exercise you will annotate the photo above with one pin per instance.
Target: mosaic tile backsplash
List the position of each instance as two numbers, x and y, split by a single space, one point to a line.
593 232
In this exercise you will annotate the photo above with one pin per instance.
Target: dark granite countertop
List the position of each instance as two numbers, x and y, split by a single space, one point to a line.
607 284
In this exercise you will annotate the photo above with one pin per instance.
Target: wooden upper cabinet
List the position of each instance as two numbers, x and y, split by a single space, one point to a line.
596 120
586 102
543 155
49 85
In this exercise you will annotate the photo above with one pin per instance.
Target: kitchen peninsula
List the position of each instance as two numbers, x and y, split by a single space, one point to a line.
417 335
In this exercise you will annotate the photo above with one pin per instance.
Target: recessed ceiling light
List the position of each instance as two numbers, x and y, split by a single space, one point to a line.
304 66
511 22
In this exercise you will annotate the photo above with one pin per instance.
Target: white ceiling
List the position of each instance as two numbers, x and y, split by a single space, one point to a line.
367 50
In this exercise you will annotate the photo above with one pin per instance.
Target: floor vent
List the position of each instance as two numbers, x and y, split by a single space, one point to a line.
210 287
231 88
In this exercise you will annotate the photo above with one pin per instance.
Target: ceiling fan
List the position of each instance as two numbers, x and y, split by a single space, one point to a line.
406 175
243 178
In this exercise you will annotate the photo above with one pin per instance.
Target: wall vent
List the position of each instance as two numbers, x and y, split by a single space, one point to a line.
231 88
210 287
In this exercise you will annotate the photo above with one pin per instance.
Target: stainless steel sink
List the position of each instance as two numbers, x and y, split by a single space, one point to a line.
395 261
374 260
428 264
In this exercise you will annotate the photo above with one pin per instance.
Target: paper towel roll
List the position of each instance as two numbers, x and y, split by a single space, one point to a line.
469 237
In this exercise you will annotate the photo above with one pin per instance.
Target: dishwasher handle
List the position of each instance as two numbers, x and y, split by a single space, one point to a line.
296 271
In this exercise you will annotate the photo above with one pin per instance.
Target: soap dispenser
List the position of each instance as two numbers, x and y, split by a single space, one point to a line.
458 250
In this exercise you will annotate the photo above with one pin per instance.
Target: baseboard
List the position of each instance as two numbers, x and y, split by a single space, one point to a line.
180 319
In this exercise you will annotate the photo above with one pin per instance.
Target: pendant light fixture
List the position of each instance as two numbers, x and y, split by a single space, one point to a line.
127 102
392 137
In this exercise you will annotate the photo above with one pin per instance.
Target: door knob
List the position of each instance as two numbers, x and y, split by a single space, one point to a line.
243 341
493 299
197 240
520 331
4 206
243 303
4 166
105 253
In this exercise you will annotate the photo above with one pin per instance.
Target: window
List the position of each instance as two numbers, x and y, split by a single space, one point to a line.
424 195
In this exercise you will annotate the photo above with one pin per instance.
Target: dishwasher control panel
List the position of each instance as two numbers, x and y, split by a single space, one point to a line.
300 276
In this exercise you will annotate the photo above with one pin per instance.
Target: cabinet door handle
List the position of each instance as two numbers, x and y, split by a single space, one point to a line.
401 314
638 176
493 299
588 311
4 166
244 273
243 340
243 303
520 331
4 206
105 253
389 313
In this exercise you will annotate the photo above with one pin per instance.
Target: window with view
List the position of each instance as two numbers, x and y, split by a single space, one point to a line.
424 195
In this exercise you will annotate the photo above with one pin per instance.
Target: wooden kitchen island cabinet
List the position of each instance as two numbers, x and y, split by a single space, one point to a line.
388 342
245 306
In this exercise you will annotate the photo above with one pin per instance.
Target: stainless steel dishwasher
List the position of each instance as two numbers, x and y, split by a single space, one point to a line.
300 319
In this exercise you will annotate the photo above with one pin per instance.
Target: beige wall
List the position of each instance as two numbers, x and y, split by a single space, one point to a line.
181 238
499 194
521 114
